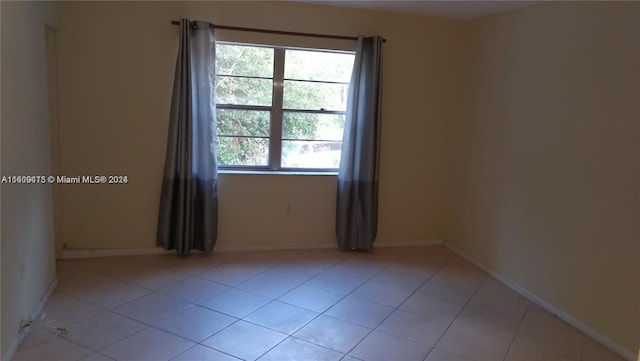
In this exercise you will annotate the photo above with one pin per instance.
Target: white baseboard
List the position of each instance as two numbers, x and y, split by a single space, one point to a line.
34 316
549 307
425 242
114 252
111 252
273 247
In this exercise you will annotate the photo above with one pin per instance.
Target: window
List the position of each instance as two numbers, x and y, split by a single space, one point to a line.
280 108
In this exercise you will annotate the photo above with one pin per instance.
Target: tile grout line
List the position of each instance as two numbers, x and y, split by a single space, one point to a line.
395 309
323 313
459 312
513 339
271 300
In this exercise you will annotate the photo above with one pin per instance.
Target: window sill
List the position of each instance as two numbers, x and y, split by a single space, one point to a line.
278 172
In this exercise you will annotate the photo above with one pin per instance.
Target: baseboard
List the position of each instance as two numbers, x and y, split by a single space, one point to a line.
34 316
425 242
111 252
549 307
273 247
115 252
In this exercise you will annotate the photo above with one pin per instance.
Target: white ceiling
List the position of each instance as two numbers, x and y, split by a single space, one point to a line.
449 9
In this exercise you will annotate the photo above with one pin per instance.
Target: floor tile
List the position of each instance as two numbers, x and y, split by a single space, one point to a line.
489 320
464 270
194 290
195 268
333 333
71 279
152 308
231 274
389 303
236 303
304 271
55 350
403 277
111 294
203 353
157 259
358 268
195 323
281 317
473 344
233 340
336 282
114 267
416 328
269 285
103 330
382 256
322 258
157 278
498 297
438 355
434 307
455 291
312 298
525 350
382 293
540 332
360 312
350 358
148 345
381 346
273 257
67 310
594 351
293 349
96 357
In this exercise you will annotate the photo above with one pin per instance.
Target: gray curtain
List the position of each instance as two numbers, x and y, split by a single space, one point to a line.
357 203
188 217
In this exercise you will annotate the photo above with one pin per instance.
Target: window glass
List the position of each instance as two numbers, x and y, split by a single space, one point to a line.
311 154
312 126
307 102
243 151
317 65
244 60
243 122
243 91
316 96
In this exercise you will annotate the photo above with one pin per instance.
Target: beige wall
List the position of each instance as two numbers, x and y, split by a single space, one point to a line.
116 63
28 263
547 169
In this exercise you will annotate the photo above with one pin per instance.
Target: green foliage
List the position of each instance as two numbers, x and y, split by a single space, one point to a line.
243 135
241 124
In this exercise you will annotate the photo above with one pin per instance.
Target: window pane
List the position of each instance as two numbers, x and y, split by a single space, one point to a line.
312 126
243 91
243 122
311 154
316 65
244 60
243 151
308 95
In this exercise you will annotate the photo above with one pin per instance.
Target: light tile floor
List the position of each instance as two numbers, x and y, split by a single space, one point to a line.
411 303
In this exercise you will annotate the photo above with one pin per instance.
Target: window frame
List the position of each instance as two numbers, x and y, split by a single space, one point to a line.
276 113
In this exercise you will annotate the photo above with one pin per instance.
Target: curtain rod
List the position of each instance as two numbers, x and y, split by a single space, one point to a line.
279 32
